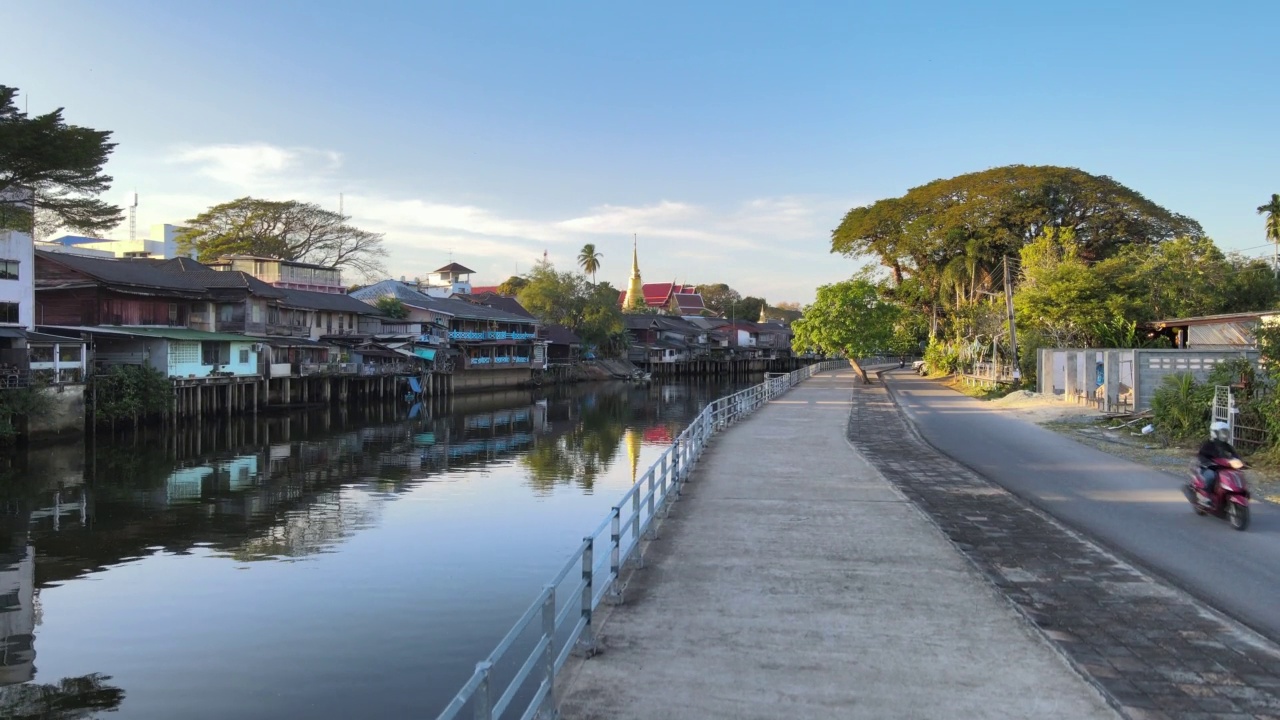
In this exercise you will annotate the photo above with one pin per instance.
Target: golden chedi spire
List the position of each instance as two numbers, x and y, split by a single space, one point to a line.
635 288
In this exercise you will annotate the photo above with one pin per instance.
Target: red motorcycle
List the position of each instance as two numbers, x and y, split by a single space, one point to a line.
1230 499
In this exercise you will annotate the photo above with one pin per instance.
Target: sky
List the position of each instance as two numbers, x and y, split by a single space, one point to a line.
727 139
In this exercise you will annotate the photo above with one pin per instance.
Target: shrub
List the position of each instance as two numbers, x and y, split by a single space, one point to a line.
1181 406
941 358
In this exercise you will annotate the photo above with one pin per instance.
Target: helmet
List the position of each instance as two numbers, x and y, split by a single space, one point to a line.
1219 430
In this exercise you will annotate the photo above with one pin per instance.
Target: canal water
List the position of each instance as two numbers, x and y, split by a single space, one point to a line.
337 563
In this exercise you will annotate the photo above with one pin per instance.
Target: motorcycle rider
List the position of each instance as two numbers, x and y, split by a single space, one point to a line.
1215 447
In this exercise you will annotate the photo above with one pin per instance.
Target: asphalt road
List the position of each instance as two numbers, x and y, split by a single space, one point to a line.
1131 508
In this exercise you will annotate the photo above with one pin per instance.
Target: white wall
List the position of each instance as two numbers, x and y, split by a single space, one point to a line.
18 246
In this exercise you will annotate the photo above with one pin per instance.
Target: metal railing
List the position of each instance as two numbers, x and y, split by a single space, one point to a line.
519 675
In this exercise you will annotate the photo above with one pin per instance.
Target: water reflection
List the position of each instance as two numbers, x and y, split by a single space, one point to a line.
263 492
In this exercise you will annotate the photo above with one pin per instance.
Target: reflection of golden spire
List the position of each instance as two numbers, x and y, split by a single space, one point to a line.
633 452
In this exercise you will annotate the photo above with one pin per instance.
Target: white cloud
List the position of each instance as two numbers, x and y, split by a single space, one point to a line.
775 247
256 164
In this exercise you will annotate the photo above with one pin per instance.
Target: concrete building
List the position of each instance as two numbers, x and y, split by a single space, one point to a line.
452 279
163 244
17 280
289 274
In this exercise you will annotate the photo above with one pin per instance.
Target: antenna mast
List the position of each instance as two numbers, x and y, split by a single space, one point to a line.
133 216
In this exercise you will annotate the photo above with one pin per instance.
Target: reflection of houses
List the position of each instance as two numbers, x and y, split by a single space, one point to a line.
17 608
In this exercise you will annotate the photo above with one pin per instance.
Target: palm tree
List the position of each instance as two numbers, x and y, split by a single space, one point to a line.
1272 211
589 259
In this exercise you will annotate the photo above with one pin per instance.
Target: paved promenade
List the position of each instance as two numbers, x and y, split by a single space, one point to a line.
793 581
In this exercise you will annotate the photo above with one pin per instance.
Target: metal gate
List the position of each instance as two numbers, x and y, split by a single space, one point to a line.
1244 437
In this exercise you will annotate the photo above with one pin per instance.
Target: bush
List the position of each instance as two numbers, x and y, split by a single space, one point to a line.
941 358
129 392
1182 407
19 403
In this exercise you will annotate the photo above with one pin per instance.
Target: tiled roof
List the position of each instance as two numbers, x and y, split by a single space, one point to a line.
393 288
494 300
124 272
446 306
560 335
657 293
331 302
482 289
689 301
455 268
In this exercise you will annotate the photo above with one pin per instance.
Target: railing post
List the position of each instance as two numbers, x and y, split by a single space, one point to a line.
615 553
653 526
587 641
484 693
635 528
548 709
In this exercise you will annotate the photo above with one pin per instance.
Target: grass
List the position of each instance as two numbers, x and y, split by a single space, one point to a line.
981 393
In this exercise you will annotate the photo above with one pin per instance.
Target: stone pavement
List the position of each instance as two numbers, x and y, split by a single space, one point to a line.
793 581
1156 651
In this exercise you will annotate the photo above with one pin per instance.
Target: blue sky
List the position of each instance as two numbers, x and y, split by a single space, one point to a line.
730 137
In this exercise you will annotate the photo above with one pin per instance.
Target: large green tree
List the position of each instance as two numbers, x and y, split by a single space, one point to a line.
950 236
566 298
51 172
850 318
719 297
287 229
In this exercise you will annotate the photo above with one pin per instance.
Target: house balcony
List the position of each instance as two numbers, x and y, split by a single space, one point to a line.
497 363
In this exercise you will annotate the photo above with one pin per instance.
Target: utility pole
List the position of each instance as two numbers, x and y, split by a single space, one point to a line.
1008 304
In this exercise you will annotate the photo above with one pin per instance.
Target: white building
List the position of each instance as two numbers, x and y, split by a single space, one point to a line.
17 280
450 280
163 244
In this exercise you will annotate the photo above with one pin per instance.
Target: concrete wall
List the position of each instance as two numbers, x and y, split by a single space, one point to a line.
472 380
18 246
1132 374
66 414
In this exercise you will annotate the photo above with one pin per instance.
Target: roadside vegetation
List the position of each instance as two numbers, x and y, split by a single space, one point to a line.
1058 256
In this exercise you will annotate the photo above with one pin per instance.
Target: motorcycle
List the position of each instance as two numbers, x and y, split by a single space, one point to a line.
1230 499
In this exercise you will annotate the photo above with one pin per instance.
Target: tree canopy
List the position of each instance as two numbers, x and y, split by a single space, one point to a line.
288 230
56 164
566 298
392 307
850 318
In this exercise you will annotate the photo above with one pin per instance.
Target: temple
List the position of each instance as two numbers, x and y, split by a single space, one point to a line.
671 298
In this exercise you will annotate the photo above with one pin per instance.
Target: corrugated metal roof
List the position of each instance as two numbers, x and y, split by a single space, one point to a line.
166 333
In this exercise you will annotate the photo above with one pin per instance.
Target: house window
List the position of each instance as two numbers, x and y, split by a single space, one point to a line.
8 269
41 353
215 353
8 312
244 356
173 313
69 353
225 313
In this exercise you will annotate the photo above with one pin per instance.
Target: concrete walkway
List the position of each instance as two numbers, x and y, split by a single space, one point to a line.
793 581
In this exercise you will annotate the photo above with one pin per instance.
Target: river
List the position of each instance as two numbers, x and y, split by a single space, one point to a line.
335 563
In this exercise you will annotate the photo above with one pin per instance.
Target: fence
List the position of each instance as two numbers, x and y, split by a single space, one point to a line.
1244 436
560 618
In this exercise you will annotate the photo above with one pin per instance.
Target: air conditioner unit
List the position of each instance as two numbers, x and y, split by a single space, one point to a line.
258 347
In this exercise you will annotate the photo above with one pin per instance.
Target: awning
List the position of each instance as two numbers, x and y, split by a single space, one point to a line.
425 353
